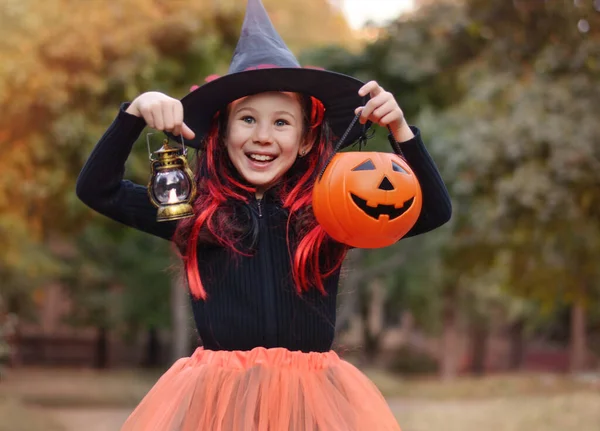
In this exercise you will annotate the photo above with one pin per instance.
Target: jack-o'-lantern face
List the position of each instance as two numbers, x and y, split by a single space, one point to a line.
367 199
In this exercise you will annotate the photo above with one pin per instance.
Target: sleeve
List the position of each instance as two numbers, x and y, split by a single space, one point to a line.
437 206
101 186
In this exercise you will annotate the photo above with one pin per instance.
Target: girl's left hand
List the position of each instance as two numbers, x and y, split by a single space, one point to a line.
382 109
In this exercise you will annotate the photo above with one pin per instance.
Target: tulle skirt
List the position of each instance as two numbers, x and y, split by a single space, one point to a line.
262 390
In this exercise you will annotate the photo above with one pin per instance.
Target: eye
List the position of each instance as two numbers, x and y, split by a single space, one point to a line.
365 166
397 168
248 119
281 123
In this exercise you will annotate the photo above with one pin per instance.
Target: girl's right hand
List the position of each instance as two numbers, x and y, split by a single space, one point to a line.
161 112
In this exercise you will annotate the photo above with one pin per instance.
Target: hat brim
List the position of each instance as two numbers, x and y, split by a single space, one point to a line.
337 92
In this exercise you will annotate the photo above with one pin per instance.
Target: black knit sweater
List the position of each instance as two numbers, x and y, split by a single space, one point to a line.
251 301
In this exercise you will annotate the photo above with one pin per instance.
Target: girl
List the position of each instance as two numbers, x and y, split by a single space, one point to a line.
263 275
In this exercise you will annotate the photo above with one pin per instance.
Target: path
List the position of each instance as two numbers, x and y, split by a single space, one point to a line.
78 419
576 411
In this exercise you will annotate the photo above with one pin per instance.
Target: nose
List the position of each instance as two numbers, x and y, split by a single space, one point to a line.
386 184
262 133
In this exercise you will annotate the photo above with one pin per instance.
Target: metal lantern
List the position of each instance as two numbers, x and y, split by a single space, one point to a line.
172 187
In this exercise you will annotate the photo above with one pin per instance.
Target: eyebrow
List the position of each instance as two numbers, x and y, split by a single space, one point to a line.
249 108
238 109
285 112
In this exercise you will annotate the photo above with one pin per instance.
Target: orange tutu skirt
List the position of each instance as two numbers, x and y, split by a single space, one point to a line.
262 390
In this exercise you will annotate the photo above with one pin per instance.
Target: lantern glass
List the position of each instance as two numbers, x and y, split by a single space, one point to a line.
171 186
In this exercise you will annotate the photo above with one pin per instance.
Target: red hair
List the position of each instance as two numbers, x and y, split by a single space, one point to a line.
316 255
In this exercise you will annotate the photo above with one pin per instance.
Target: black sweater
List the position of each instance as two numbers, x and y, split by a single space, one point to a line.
251 299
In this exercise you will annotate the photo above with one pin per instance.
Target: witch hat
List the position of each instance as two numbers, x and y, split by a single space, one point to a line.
262 62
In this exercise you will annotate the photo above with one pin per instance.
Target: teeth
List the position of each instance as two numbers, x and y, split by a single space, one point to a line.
261 158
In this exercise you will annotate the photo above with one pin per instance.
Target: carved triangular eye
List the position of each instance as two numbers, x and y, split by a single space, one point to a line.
365 166
397 168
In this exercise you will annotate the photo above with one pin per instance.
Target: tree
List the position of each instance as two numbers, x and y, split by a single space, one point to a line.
504 94
66 67
528 151
418 59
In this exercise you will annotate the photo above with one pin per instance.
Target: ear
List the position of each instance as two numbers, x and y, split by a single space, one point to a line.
307 144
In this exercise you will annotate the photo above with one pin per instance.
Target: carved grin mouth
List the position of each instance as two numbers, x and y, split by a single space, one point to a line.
375 212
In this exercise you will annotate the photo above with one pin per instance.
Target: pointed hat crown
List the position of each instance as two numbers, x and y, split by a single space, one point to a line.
260 45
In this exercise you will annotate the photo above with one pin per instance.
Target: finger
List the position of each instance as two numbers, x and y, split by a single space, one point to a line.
167 115
187 132
371 106
157 117
385 109
377 106
177 118
392 117
366 112
371 87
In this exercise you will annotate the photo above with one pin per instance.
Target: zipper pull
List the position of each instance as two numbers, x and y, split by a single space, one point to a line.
259 204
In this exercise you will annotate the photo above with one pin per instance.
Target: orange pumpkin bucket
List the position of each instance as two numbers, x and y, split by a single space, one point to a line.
367 199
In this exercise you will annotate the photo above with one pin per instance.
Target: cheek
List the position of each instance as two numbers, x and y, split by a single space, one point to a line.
290 146
289 151
234 143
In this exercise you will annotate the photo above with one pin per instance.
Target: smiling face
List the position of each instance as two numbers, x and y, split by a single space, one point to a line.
265 136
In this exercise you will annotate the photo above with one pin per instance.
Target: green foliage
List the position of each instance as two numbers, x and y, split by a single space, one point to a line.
120 278
527 156
505 94
65 67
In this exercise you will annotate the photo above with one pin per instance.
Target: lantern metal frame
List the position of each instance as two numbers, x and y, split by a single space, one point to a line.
169 157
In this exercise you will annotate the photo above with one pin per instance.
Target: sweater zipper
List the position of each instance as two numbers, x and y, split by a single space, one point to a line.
269 287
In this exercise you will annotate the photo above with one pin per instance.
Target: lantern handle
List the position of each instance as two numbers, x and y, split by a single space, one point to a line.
148 144
150 151
183 144
184 149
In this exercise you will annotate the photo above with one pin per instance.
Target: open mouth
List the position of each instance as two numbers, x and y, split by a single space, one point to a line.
375 212
261 158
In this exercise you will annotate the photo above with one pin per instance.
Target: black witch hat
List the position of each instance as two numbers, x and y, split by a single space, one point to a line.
262 62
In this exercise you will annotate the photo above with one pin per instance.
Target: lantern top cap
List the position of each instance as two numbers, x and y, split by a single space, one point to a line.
168 149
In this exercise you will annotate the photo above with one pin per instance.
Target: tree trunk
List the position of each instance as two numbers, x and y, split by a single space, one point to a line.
578 342
364 309
370 339
407 325
517 345
180 315
14 343
376 320
101 357
152 359
349 291
449 344
360 276
480 335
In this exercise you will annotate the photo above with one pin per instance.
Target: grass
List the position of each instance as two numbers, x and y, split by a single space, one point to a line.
78 388
14 416
467 388
522 402
578 412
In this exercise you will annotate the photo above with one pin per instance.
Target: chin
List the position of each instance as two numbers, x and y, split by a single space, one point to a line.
259 182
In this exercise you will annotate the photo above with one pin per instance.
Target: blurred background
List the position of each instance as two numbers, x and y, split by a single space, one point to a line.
491 322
